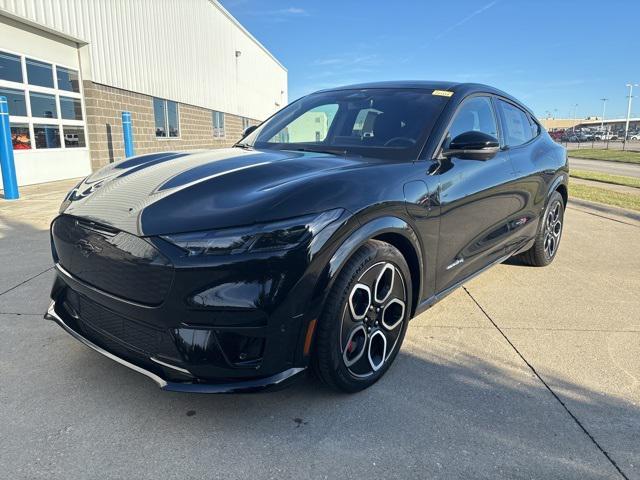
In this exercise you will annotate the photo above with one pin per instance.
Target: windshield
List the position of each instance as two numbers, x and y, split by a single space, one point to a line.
385 123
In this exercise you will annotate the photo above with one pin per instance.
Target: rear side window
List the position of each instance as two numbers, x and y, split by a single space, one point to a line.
475 114
517 126
535 128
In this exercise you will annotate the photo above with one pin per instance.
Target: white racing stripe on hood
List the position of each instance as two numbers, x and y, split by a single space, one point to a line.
119 201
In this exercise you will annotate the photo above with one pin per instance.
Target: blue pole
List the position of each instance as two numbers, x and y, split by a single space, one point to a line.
128 136
7 162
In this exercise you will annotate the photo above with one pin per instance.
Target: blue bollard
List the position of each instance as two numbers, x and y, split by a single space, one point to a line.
128 136
7 162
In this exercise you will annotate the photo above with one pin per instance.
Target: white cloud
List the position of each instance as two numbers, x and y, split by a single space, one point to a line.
466 19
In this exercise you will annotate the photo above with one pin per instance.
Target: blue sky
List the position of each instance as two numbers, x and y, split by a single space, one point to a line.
549 54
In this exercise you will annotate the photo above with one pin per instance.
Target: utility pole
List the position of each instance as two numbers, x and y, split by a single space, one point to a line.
604 107
626 128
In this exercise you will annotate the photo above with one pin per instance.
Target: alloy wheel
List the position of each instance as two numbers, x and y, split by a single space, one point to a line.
553 229
372 320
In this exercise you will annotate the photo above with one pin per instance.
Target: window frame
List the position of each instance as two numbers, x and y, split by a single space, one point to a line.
58 121
218 132
165 103
525 112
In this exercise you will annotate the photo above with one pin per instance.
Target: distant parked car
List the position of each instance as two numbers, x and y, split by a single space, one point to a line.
604 136
635 136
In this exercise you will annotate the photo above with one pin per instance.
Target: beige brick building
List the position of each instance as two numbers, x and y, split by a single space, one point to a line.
189 73
104 106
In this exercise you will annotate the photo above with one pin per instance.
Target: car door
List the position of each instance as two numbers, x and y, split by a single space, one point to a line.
474 197
533 170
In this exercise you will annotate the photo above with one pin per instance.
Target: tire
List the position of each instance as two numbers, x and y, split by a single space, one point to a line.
549 234
359 334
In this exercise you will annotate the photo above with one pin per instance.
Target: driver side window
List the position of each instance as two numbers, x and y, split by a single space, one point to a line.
475 114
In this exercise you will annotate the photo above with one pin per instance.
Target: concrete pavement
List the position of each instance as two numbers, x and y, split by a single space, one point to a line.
613 168
524 373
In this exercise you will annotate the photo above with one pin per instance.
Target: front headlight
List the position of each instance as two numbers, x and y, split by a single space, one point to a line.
281 235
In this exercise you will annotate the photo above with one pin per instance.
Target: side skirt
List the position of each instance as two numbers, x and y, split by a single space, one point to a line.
431 301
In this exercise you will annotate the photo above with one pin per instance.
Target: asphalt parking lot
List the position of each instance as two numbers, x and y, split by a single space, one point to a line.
524 373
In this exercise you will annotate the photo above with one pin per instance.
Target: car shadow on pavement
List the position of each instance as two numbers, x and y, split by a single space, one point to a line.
459 417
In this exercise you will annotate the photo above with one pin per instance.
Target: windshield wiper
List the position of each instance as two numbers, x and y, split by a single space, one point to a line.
244 146
314 150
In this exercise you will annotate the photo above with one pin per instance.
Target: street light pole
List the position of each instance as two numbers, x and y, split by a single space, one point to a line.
626 128
604 107
575 108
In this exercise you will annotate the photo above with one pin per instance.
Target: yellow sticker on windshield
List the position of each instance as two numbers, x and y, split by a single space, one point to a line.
442 93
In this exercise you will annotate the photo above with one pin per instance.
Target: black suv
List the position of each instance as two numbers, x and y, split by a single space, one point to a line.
312 242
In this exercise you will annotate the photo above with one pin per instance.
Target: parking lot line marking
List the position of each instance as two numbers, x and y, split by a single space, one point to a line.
531 367
25 281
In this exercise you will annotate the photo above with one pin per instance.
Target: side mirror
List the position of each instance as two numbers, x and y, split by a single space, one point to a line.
248 130
473 145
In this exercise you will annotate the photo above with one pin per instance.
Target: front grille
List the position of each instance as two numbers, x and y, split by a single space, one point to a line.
113 261
115 331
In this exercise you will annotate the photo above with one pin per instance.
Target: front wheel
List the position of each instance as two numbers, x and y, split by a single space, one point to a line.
549 234
364 319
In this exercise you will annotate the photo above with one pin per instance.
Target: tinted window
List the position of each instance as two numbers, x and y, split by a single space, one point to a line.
365 120
535 128
10 68
68 79
15 100
218 124
377 122
160 116
516 124
165 114
172 117
43 105
475 114
20 136
39 73
310 127
71 108
47 136
74 137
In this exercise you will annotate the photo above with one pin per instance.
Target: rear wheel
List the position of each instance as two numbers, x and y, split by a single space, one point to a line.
364 319
549 234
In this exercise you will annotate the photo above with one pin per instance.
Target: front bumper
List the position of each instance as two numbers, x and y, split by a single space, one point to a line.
278 380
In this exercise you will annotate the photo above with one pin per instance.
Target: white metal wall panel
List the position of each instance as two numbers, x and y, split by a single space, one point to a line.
182 50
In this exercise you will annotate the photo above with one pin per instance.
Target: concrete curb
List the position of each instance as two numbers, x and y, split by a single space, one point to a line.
606 209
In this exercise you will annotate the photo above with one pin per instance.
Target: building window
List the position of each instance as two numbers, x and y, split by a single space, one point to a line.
39 73
172 119
43 105
35 97
74 137
15 100
10 67
68 80
20 136
166 117
160 115
218 124
47 136
70 108
246 123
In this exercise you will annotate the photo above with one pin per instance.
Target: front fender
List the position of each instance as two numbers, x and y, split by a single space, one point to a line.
389 226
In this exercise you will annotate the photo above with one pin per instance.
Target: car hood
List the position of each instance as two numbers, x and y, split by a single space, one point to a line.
188 191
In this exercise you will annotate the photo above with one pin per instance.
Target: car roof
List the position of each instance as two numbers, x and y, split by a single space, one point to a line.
456 87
